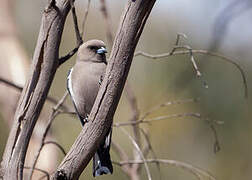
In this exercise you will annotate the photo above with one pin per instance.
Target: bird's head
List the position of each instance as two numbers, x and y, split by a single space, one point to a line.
92 51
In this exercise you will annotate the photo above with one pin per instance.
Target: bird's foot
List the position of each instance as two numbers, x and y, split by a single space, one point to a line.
85 119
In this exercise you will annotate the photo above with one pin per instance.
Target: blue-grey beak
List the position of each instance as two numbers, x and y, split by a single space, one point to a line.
102 50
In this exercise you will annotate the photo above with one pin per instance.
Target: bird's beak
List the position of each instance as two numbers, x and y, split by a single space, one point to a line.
102 50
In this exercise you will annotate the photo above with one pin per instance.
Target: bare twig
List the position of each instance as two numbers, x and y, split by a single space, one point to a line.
68 56
54 113
19 88
47 175
79 40
195 66
179 35
199 173
11 84
123 156
139 151
84 20
135 116
148 148
57 145
168 103
129 123
108 24
216 146
221 57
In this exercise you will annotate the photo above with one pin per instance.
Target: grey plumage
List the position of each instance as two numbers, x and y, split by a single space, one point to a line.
83 84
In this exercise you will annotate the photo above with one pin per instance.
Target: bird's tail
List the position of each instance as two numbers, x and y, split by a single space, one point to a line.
101 161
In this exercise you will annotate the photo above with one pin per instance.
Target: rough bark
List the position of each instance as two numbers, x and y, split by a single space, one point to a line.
130 29
45 63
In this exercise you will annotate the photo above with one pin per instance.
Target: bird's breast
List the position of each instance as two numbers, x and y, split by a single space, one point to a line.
86 86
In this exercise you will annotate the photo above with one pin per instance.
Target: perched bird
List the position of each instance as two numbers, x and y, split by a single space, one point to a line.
83 83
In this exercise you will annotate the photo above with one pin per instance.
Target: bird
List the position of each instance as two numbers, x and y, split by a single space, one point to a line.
83 83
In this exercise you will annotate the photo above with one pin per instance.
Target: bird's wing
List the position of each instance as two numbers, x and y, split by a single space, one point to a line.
70 91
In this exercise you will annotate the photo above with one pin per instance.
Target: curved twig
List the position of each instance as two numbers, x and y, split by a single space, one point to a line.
19 88
54 113
227 59
139 151
40 170
198 172
57 145
84 20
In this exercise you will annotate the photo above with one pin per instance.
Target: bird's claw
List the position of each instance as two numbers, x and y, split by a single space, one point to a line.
85 119
101 79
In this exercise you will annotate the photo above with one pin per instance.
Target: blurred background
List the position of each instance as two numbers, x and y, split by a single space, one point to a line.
219 26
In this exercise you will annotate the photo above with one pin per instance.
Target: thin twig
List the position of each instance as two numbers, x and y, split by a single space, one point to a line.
57 145
11 84
195 66
148 148
198 172
85 20
40 170
123 156
168 103
179 35
19 88
79 40
216 146
54 113
129 123
135 116
205 52
108 24
139 151
68 56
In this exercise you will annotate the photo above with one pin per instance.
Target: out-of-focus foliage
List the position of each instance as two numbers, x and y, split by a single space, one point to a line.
156 81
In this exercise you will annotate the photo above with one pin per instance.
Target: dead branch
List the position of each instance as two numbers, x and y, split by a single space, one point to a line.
84 20
108 24
57 145
123 156
39 170
44 66
133 172
168 103
159 118
79 40
220 57
100 119
19 88
199 173
139 151
53 115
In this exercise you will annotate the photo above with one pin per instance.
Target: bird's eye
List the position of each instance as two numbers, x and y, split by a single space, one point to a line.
93 47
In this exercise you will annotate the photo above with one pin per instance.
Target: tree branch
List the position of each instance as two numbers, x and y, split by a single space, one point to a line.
100 119
53 115
220 57
199 173
19 88
44 66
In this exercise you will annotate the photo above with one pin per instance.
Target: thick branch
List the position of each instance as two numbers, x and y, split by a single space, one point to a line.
45 63
130 29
